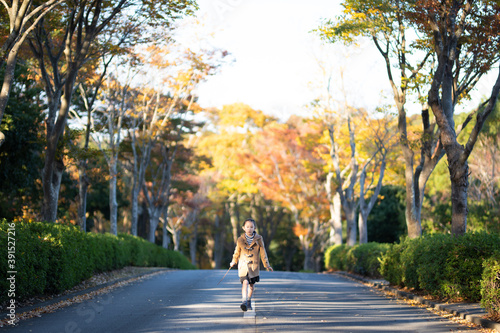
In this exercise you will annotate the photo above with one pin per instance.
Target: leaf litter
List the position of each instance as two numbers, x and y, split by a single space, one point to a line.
121 277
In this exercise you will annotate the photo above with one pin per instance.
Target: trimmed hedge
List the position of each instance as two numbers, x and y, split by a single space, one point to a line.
361 259
335 257
455 268
51 258
442 265
490 286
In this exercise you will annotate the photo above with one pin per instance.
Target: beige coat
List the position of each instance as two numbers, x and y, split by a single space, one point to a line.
248 256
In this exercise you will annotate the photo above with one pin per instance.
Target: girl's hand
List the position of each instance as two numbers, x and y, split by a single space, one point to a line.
232 263
270 269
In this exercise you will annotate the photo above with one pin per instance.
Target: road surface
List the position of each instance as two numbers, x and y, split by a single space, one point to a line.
191 301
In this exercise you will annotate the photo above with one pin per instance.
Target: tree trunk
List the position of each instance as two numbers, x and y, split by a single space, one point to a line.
7 83
140 162
154 220
83 185
166 236
308 253
54 166
193 241
135 209
113 205
459 175
352 232
218 242
235 218
335 212
363 228
176 237
51 178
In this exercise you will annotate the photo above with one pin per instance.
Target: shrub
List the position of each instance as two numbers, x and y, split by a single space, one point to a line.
464 265
490 286
335 257
31 260
363 259
52 257
443 265
390 264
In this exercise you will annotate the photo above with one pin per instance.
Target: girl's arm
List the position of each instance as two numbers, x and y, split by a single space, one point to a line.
263 256
236 255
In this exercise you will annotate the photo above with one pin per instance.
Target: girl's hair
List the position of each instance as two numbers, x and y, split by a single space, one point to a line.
250 220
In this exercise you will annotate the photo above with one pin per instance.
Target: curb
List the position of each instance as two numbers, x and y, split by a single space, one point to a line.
81 292
467 314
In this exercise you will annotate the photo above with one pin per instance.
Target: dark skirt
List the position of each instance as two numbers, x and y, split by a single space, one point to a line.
250 280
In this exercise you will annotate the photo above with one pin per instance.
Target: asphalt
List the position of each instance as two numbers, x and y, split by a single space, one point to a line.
472 312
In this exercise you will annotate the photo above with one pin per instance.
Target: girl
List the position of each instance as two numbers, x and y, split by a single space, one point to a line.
248 253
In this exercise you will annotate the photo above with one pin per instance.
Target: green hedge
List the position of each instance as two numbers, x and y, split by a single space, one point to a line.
361 259
490 286
454 268
442 265
50 258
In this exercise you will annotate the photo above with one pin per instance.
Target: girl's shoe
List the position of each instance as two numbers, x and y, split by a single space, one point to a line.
243 306
249 304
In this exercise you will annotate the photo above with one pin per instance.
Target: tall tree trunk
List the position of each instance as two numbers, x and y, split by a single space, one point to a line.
154 220
352 232
134 209
347 197
234 217
51 178
7 83
311 238
113 205
335 212
176 237
307 248
83 185
54 166
193 241
166 236
459 176
218 237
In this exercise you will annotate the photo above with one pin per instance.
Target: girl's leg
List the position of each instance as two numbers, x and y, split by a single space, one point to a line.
250 290
244 286
250 293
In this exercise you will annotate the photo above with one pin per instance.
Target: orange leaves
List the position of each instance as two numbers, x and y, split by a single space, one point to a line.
299 230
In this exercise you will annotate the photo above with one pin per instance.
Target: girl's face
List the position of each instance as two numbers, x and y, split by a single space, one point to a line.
249 228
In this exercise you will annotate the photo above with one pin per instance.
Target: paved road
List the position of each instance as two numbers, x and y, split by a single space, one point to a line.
191 301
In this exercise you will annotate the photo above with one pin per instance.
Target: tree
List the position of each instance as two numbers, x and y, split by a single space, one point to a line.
386 24
63 42
466 38
89 93
361 132
23 17
381 134
225 145
117 99
288 169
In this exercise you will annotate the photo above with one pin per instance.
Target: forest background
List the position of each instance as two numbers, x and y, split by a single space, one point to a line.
102 130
